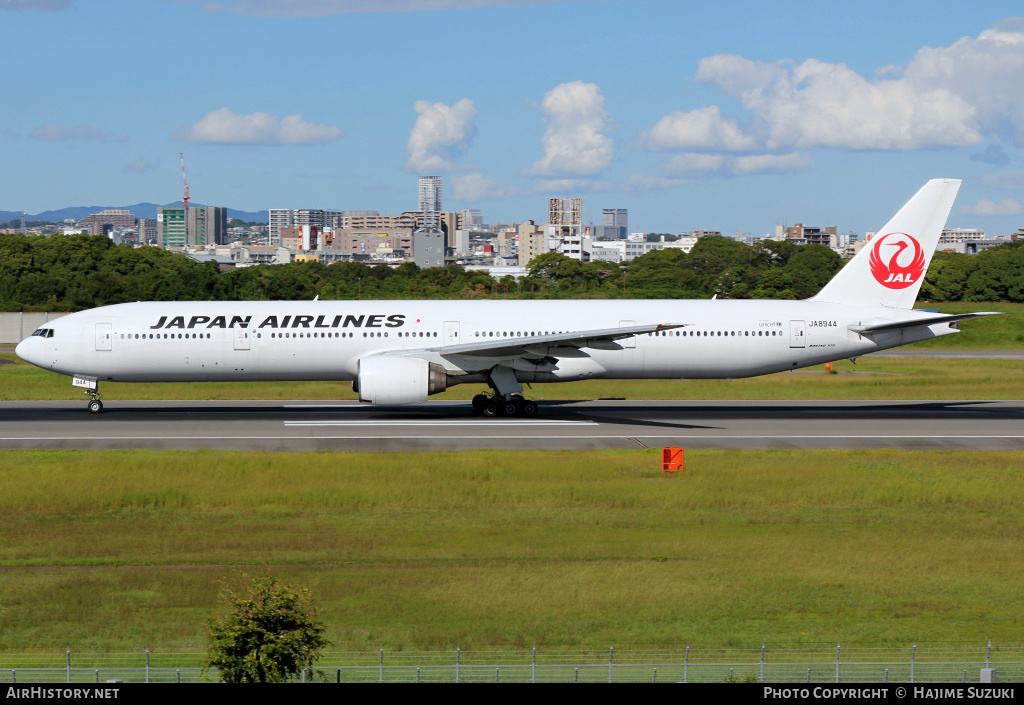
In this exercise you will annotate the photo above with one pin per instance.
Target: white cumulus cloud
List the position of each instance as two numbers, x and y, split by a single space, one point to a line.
953 96
704 128
225 127
986 207
574 141
440 133
692 164
816 104
770 163
473 188
986 72
1013 178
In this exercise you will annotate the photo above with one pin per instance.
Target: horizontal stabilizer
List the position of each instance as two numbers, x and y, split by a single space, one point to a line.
916 322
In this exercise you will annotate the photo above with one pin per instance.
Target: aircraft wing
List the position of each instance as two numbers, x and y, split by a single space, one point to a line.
567 344
916 322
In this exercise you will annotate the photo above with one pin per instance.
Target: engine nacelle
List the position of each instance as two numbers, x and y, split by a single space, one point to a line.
390 379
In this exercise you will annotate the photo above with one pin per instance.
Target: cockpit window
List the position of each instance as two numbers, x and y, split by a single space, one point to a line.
39 331
44 333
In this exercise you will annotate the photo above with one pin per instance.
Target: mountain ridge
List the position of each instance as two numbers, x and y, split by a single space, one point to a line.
139 210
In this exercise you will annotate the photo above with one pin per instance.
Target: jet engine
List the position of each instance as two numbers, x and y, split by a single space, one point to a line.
390 379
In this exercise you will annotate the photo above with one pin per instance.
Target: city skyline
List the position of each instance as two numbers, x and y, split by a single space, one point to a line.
735 116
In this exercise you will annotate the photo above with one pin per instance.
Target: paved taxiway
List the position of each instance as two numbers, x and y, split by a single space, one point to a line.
290 426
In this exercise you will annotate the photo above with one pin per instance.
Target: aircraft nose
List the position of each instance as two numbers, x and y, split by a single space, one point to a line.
24 350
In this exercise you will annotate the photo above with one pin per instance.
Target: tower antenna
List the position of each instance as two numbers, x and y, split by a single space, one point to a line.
184 200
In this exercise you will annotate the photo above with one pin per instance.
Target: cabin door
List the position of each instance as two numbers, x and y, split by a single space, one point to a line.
451 333
796 334
241 338
104 337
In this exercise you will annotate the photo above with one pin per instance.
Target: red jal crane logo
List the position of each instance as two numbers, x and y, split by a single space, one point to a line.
897 260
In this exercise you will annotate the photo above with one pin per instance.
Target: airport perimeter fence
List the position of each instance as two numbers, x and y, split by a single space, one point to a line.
925 663
15 327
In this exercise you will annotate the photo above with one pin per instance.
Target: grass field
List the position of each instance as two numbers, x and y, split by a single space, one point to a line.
869 378
123 550
1005 331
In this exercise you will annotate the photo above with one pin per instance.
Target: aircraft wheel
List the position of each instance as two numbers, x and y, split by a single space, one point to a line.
479 402
529 409
509 408
95 406
490 408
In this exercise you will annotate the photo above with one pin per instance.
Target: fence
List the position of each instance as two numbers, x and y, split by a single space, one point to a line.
15 327
925 663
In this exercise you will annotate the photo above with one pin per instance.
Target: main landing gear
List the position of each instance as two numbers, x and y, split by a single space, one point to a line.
498 405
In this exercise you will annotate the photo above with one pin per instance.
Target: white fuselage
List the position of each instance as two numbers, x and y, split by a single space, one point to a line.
324 340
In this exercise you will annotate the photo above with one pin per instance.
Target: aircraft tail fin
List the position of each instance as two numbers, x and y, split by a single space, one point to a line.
890 269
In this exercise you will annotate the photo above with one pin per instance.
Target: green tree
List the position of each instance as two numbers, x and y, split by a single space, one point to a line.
270 634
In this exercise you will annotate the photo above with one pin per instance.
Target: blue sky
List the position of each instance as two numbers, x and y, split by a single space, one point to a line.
731 115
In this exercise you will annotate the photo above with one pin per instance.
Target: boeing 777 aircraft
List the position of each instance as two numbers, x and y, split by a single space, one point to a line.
400 352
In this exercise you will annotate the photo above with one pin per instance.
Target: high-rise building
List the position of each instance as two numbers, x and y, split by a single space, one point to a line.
472 219
201 226
532 242
170 227
614 223
280 218
564 229
207 225
104 221
430 201
308 216
147 231
428 248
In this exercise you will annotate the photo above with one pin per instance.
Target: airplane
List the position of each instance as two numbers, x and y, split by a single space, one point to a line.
400 352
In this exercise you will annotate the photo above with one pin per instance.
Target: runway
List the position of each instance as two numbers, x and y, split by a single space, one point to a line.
306 426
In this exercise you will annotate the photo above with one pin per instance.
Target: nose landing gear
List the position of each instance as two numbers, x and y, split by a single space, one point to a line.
92 390
95 406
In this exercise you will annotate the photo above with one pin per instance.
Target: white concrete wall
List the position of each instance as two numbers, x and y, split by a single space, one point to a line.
15 327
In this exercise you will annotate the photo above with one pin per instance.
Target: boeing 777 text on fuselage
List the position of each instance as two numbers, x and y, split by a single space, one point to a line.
400 352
